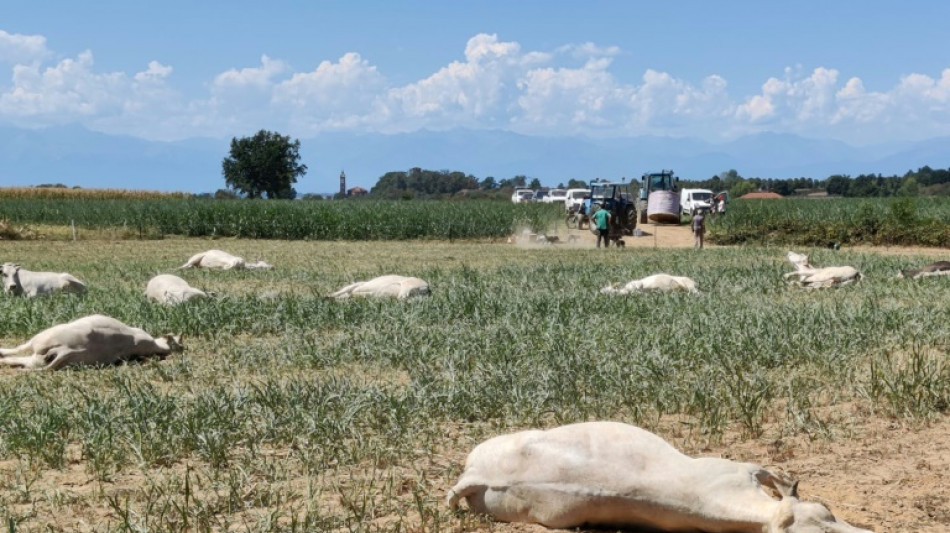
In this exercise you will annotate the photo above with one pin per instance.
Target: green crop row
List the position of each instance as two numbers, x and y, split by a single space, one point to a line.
823 222
280 219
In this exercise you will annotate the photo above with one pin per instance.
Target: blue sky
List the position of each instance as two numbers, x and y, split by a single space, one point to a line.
859 71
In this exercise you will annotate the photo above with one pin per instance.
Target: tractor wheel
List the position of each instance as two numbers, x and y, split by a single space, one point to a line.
629 219
573 221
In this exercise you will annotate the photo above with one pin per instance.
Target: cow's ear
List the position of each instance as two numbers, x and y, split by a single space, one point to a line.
783 486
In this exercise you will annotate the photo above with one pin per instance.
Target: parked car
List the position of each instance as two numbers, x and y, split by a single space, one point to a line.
540 195
555 196
574 198
522 195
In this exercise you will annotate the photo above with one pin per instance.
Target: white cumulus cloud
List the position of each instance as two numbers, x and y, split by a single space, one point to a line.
335 96
18 49
572 89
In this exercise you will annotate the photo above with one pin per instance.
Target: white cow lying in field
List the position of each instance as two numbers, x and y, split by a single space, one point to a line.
19 281
222 260
401 287
171 290
613 474
656 282
91 340
811 277
939 268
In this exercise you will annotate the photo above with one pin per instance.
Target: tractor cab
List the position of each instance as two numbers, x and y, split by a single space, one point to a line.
660 181
610 195
662 198
620 200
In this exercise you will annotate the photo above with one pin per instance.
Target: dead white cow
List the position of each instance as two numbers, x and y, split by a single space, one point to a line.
401 287
222 260
613 474
92 340
938 268
656 282
171 290
812 277
19 281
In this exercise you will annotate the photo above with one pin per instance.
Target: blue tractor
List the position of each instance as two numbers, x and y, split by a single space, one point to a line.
621 200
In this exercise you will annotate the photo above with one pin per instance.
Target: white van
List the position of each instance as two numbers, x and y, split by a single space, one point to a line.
521 196
692 200
554 196
575 197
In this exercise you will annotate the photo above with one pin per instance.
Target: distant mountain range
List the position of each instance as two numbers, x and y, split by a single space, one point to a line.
78 157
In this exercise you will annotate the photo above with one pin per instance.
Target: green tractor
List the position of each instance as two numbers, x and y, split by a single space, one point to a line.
660 198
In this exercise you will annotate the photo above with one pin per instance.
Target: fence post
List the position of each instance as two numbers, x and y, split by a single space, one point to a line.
72 223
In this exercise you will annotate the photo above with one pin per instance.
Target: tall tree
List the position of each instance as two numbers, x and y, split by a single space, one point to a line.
838 185
267 163
488 183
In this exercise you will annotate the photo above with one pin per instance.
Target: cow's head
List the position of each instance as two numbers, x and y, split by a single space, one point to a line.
795 516
11 278
172 343
799 260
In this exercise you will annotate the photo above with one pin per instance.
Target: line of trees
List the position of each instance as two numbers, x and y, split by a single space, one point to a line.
924 181
268 164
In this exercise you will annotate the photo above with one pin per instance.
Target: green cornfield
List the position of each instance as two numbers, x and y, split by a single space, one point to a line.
823 222
787 222
285 219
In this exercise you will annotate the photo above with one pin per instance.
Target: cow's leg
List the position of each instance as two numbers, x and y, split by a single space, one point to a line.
193 262
27 362
345 292
64 356
471 489
26 347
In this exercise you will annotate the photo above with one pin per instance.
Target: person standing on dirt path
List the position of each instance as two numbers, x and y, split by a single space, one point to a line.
699 229
602 221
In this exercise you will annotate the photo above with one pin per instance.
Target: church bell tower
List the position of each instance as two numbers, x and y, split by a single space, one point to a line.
342 183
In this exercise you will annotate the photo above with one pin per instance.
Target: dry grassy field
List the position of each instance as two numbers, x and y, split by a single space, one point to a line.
291 412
